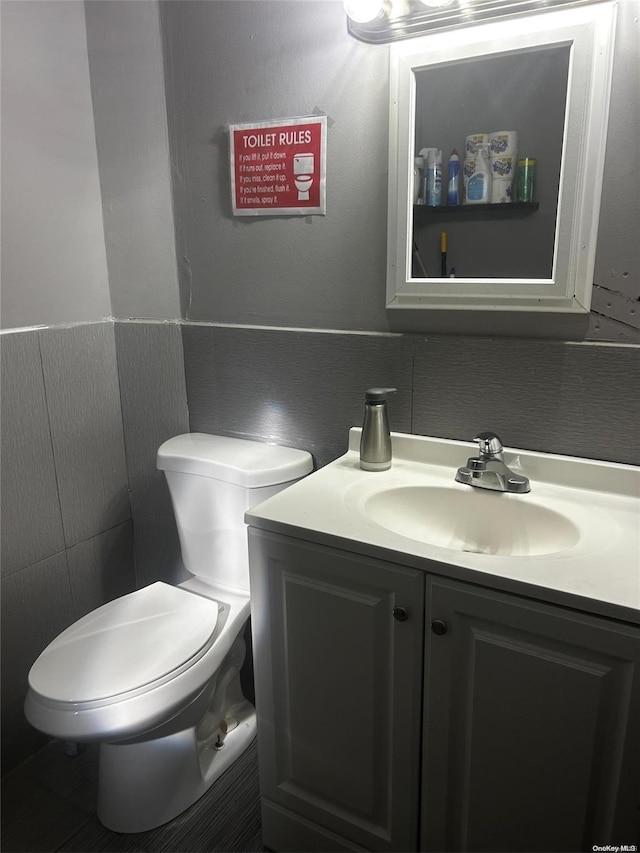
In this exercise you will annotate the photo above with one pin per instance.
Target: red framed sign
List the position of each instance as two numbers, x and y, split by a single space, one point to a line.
279 167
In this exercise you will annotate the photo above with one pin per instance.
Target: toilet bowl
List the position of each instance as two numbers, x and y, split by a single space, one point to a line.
154 676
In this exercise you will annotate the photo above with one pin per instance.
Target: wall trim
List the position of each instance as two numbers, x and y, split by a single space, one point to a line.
257 327
71 325
296 329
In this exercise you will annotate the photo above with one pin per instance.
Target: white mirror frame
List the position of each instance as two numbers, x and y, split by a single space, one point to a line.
589 30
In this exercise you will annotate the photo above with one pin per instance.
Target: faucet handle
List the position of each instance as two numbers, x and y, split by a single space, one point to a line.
490 444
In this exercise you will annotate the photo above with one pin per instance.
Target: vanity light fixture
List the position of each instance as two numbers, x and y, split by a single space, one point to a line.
366 11
363 11
384 21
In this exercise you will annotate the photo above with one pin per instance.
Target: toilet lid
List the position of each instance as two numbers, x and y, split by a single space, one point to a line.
128 644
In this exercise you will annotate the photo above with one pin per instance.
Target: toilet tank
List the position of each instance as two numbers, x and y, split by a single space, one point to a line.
213 480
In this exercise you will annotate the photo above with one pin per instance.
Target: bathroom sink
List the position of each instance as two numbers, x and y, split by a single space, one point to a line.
574 534
471 520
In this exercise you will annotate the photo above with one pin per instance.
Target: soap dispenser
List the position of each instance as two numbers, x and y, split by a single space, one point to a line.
375 442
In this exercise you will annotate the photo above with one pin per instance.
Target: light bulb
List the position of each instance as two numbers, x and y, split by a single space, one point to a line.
435 4
363 11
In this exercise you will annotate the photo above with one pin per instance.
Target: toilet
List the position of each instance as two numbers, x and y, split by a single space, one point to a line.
153 676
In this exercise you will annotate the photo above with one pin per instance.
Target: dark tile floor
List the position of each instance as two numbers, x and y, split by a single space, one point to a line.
49 802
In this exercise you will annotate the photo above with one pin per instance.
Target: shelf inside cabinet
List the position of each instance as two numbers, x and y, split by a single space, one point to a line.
464 209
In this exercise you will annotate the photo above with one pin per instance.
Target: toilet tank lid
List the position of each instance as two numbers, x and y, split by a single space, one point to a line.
249 464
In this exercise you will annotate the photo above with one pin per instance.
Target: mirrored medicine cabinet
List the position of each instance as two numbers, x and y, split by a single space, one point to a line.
517 265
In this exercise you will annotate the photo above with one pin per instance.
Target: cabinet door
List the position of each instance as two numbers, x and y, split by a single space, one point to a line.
532 718
338 692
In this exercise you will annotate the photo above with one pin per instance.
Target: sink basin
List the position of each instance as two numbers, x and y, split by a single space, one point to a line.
574 537
472 520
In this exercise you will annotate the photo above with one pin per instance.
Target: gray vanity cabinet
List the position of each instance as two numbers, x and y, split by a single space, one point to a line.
487 722
532 725
338 693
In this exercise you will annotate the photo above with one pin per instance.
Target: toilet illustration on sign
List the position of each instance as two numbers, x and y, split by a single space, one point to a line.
303 174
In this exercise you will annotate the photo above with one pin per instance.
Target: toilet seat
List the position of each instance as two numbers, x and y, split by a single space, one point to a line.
126 647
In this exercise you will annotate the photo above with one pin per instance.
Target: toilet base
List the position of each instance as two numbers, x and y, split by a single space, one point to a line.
143 785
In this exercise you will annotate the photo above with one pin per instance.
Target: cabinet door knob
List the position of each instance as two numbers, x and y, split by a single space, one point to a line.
439 627
400 613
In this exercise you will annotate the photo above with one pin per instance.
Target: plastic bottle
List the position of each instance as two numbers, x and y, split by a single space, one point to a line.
418 171
424 189
477 177
375 441
453 187
434 178
526 179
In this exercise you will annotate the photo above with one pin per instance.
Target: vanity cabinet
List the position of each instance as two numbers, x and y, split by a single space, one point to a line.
338 668
532 725
404 710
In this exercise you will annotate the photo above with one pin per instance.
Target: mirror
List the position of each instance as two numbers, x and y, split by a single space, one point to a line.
540 86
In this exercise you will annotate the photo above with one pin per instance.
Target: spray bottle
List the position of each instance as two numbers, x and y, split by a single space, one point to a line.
434 177
453 187
477 177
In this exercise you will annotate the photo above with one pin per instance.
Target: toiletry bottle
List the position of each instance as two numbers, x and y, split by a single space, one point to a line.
526 179
477 177
434 178
418 171
375 442
453 187
424 186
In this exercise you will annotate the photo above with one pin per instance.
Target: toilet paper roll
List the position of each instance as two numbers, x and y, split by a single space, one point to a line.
501 191
472 141
503 166
503 142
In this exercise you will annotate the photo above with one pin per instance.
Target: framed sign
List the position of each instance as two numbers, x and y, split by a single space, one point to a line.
279 167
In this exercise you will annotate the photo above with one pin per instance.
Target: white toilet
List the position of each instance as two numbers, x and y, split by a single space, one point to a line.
154 676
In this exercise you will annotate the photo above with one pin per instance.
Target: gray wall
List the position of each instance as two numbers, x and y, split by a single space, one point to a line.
80 423
306 389
296 58
127 86
66 520
327 273
616 290
54 267
246 61
67 536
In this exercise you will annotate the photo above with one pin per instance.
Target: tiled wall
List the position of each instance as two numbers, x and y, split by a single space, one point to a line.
307 388
84 410
154 408
80 431
66 520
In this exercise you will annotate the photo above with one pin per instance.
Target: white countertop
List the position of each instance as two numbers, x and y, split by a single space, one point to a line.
599 573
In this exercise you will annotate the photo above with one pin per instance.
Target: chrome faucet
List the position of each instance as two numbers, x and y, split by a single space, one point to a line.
488 469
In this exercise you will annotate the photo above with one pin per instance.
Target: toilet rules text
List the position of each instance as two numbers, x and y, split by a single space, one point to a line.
279 167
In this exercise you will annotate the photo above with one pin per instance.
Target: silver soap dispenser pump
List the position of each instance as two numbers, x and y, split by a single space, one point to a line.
375 442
